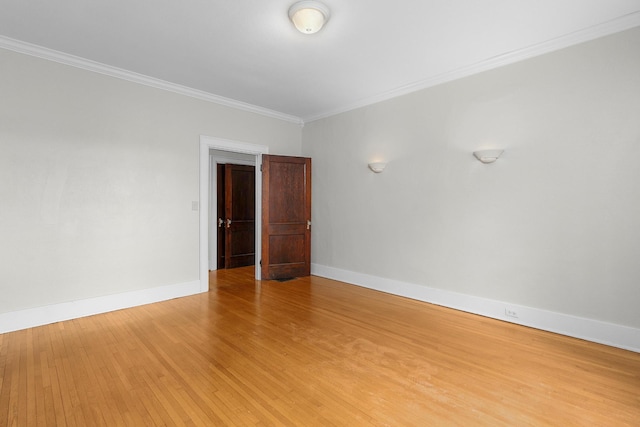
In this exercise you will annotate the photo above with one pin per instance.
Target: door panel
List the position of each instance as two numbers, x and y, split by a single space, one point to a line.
286 249
239 216
286 217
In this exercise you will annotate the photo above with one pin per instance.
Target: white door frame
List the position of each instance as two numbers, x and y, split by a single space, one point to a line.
208 143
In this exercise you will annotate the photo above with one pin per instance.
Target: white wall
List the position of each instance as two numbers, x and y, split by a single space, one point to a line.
554 224
97 179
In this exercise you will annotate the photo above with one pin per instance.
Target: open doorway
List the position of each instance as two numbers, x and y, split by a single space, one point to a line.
232 216
209 145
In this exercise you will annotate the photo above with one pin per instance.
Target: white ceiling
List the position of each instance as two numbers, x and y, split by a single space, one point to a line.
248 51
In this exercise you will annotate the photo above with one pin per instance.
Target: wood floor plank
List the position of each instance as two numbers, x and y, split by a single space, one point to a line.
312 352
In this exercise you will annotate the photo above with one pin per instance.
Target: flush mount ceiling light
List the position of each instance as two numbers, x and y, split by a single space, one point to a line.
309 16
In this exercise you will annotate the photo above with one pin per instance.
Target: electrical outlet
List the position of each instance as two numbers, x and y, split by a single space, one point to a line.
510 313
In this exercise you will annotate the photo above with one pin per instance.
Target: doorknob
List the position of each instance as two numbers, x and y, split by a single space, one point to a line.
308 224
220 222
228 223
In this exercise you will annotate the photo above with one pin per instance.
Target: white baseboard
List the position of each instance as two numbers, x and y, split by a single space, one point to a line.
578 327
38 316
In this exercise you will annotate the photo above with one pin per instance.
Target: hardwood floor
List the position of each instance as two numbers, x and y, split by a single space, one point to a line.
308 352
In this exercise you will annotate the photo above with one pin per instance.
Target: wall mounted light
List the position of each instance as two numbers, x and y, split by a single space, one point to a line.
309 16
377 167
488 156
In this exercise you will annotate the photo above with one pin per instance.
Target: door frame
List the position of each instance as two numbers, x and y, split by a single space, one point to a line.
208 143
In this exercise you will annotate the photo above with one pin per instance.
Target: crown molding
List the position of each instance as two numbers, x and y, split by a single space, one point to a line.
611 27
97 67
622 23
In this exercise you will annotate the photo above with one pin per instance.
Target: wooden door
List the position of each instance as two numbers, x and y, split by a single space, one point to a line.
220 215
239 222
286 217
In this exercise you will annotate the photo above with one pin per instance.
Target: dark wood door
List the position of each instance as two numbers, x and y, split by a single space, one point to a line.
239 221
221 213
286 217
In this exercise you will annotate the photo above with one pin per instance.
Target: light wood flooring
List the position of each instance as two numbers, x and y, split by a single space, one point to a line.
308 352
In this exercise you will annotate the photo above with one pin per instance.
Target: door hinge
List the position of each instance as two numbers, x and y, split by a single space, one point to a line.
260 263
260 168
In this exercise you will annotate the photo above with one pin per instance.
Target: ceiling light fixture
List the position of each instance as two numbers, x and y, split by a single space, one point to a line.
309 16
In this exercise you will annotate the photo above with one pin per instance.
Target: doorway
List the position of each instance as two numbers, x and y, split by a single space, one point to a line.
207 180
285 237
235 220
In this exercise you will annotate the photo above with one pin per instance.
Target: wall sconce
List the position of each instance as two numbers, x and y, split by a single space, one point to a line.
488 156
377 167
